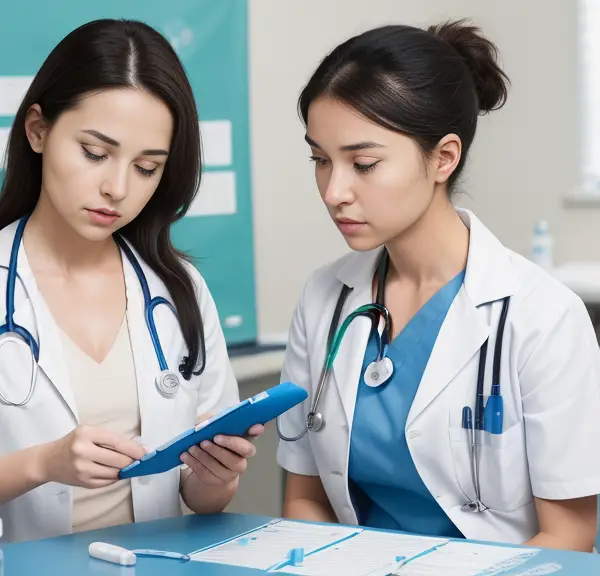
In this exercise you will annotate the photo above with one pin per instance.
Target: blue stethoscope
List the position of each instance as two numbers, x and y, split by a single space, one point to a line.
167 381
488 415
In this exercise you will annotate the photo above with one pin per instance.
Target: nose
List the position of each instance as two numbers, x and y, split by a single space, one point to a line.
115 183
338 190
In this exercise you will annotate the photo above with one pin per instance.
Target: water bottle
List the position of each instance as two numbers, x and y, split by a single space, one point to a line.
541 248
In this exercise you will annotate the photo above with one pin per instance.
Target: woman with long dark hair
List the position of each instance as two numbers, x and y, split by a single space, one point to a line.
103 158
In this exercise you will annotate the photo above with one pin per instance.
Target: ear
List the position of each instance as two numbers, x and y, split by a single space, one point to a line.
447 157
36 128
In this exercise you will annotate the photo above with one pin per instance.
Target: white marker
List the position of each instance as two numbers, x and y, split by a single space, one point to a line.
112 553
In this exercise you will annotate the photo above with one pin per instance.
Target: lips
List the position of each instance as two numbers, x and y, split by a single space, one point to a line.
105 211
348 227
348 221
103 216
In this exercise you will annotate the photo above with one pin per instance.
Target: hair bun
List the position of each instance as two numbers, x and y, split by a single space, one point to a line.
481 57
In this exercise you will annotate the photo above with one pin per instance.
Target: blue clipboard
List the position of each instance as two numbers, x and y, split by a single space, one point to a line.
234 421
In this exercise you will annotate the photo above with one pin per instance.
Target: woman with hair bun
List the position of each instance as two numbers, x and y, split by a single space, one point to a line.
453 385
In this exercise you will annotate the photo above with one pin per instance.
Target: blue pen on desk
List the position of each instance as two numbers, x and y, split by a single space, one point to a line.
161 554
399 565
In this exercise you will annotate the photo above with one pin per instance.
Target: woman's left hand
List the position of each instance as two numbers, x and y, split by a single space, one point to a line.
223 460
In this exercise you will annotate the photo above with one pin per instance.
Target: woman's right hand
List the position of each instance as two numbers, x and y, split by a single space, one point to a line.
88 457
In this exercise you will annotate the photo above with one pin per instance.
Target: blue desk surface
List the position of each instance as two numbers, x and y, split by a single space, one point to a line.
68 555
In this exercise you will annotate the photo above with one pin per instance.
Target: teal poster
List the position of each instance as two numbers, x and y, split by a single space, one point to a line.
211 39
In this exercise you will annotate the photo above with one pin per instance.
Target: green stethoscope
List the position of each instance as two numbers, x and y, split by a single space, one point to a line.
379 371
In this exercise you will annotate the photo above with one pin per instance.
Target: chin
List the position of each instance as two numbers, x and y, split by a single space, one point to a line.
362 244
94 233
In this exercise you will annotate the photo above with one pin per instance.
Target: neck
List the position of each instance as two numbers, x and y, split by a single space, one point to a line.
434 249
52 243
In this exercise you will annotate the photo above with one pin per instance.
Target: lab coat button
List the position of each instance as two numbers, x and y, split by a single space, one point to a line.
414 433
337 473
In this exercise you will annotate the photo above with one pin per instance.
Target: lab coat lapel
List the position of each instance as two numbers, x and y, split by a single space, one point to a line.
347 366
460 338
52 361
489 278
357 273
154 409
145 364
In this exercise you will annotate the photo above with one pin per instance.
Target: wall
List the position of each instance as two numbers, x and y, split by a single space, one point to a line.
522 163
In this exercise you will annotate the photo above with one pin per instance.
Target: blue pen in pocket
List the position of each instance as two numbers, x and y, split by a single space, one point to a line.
494 411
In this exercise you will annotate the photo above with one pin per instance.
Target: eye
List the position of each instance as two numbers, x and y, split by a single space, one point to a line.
93 157
145 171
320 162
365 168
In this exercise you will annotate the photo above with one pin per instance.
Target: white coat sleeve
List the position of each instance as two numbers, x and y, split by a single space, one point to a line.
297 457
218 388
560 386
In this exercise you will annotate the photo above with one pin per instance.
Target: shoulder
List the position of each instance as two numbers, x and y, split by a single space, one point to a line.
199 282
547 317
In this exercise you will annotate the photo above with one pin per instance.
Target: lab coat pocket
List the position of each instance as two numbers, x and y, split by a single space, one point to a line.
503 471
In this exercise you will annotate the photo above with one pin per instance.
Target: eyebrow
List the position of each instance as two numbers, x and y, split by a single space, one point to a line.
347 147
112 142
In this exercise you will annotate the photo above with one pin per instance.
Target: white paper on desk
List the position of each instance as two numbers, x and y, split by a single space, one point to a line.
270 545
466 559
370 553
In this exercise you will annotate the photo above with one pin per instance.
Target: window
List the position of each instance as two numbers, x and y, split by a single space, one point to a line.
589 85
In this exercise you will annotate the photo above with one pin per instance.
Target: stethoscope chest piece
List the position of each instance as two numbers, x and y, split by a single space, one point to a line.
315 421
167 383
378 372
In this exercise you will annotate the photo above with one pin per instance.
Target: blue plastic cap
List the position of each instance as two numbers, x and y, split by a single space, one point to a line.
467 417
494 414
296 556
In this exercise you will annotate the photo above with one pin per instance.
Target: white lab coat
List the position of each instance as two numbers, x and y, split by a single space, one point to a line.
52 412
550 375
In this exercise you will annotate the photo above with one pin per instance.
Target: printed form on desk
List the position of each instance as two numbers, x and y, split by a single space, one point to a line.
330 550
267 546
467 559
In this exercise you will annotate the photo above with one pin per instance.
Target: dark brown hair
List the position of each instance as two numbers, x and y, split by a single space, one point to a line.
102 55
423 83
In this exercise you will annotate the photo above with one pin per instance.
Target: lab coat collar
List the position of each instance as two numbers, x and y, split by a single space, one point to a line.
145 362
489 275
53 363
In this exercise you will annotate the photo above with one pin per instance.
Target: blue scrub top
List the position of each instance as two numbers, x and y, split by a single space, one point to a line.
387 490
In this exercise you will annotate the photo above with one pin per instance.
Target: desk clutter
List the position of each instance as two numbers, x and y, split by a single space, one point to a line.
306 549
